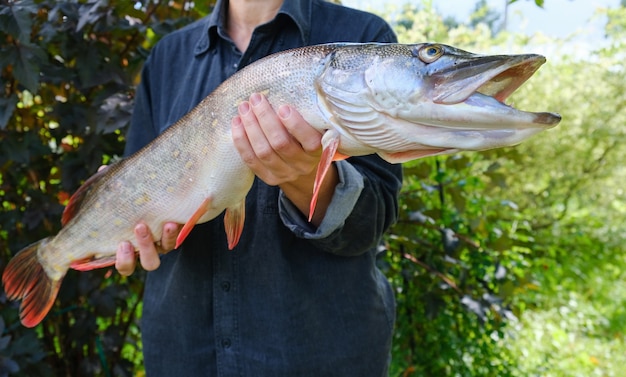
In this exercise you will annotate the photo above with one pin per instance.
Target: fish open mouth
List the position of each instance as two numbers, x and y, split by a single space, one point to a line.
496 76
487 81
503 84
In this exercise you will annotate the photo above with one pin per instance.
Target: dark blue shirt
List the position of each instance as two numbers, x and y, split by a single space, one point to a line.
290 299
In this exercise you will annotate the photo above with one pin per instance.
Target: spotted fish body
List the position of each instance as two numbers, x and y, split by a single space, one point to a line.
400 101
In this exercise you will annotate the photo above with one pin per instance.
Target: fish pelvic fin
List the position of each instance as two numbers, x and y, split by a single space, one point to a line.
330 143
25 279
234 219
76 200
184 232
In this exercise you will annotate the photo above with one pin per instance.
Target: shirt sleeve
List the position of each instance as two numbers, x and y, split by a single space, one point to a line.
364 205
344 198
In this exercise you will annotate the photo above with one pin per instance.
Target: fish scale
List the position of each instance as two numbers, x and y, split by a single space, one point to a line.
401 102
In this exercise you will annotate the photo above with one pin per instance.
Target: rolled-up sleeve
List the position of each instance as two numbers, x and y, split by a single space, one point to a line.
343 201
362 208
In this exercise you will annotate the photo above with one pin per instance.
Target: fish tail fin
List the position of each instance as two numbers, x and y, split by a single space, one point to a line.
25 279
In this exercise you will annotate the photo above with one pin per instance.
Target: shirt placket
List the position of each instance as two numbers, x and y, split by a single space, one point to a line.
226 312
226 296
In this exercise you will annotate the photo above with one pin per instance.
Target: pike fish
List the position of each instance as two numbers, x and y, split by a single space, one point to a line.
399 101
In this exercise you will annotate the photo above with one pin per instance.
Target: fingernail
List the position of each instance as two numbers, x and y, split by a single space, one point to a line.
255 99
284 112
127 248
171 229
142 230
237 121
244 108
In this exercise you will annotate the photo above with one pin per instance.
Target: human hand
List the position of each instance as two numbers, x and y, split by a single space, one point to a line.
282 149
149 250
279 146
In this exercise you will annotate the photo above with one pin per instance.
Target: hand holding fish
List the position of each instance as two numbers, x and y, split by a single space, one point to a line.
149 250
280 147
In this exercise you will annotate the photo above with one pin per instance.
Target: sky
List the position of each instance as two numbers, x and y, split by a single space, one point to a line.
558 18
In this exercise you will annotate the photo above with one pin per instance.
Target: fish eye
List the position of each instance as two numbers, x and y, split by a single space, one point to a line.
430 53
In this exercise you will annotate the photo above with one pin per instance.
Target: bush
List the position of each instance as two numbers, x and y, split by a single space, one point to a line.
68 70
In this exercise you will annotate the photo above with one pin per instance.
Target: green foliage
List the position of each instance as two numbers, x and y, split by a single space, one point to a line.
576 202
453 267
537 228
538 2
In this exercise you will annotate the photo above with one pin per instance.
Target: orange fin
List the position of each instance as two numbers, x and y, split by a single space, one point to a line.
75 202
89 264
340 156
399 157
331 144
184 232
25 279
234 219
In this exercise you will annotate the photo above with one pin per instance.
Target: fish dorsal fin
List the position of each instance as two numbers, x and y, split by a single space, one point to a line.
76 201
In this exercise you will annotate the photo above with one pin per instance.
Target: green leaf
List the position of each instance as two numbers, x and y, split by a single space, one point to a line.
8 366
538 2
114 113
7 107
15 19
26 60
90 14
4 341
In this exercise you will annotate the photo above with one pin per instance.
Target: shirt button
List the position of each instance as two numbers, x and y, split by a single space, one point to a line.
225 286
226 343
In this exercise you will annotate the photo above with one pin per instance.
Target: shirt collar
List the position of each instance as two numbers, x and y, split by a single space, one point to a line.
299 11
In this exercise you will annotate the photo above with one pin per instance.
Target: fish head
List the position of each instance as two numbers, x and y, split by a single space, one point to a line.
411 101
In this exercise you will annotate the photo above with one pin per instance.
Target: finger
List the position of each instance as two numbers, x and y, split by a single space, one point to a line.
125 259
168 239
102 167
148 254
254 148
255 133
309 138
242 143
276 136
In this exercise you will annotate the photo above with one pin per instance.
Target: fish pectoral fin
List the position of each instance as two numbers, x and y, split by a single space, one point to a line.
76 200
330 143
193 220
398 157
89 264
234 219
